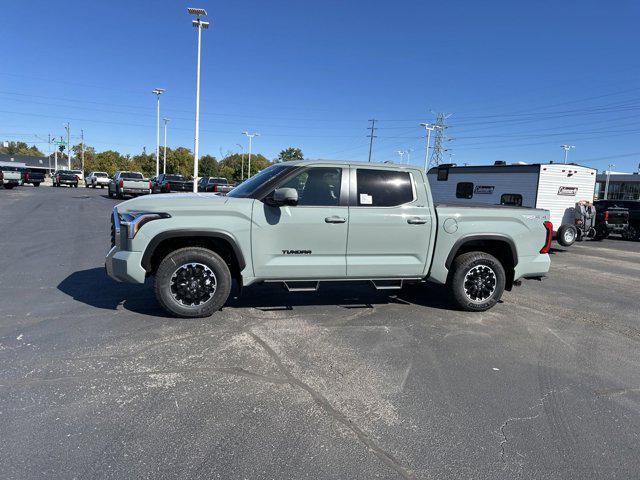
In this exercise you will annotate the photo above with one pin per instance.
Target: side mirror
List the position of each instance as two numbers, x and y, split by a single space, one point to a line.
285 196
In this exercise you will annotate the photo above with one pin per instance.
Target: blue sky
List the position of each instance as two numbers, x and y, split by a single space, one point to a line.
520 79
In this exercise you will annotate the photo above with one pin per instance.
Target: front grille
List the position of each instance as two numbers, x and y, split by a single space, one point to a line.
113 232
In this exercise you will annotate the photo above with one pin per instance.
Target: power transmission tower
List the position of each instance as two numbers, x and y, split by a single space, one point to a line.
371 136
438 144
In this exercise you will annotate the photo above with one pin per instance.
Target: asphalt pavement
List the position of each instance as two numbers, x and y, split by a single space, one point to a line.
346 383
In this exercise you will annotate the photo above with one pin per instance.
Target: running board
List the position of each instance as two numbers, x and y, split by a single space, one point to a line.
301 286
387 284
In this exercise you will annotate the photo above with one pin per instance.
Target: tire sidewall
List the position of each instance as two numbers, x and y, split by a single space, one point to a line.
192 255
462 265
561 235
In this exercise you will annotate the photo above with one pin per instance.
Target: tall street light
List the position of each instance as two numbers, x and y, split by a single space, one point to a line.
242 162
199 24
606 185
428 128
164 160
67 127
566 149
250 137
158 92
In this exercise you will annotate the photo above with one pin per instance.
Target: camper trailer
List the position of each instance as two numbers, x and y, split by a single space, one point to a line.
552 186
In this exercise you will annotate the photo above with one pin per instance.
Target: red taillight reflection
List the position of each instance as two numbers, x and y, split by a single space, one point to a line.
547 243
121 183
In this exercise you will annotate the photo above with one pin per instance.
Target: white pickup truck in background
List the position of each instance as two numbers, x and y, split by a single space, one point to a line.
11 176
128 183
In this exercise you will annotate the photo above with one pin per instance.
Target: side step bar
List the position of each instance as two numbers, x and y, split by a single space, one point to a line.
301 286
387 284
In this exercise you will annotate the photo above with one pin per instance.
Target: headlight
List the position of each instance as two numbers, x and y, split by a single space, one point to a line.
135 220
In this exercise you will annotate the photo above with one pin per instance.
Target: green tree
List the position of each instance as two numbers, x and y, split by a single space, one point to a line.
89 157
290 154
108 161
21 148
208 166
230 166
180 161
143 162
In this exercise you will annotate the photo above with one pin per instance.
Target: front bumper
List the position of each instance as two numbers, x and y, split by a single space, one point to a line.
125 266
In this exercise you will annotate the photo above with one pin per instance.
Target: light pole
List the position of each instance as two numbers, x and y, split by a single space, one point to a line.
250 137
67 127
566 149
428 128
242 162
606 185
401 153
199 24
82 151
158 92
164 160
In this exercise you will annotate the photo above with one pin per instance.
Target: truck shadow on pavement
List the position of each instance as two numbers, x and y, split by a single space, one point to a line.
94 288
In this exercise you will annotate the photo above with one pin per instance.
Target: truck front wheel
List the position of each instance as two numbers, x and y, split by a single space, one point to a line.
477 281
192 282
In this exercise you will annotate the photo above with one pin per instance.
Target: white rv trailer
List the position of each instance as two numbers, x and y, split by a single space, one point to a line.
552 186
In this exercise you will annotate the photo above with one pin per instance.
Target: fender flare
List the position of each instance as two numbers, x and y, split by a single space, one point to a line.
155 241
481 236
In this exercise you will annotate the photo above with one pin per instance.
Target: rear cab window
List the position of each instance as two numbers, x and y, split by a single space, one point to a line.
383 188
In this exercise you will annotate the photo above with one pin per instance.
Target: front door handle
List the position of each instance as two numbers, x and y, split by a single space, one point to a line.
335 219
416 221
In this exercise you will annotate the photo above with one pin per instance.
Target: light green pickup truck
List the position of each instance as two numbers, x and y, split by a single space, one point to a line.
303 223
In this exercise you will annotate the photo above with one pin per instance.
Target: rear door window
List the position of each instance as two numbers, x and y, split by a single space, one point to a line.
383 188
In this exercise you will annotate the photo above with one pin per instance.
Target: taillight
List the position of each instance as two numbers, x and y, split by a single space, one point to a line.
215 188
150 186
547 243
168 186
26 177
606 216
121 183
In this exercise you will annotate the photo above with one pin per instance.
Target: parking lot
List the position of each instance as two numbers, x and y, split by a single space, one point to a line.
346 383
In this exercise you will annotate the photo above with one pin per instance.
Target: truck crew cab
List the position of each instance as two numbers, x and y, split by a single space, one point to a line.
303 223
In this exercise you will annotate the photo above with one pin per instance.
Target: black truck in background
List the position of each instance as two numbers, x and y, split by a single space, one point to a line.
609 207
33 177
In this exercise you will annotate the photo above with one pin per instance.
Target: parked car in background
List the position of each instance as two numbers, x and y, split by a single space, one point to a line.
633 207
79 174
170 182
11 176
128 183
214 184
611 219
96 179
65 177
32 177
303 223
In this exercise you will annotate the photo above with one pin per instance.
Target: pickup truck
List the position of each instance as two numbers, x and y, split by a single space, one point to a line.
65 177
33 177
166 183
632 206
11 176
218 185
96 179
128 183
304 223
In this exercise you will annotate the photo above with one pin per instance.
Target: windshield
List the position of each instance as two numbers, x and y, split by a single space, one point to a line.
250 185
131 175
174 178
100 174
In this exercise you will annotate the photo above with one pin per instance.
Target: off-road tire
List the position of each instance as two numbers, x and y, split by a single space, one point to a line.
567 235
185 256
119 194
467 264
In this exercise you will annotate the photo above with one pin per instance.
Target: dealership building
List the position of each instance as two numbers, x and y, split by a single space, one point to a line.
622 186
40 164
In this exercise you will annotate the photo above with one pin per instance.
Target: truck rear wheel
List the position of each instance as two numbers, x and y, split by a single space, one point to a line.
192 282
477 281
567 235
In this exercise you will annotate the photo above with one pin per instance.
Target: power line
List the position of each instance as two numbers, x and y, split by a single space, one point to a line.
371 136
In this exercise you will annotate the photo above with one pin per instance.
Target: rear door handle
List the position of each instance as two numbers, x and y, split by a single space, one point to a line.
335 219
416 221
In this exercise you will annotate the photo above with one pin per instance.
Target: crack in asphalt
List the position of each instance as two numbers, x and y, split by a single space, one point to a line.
336 414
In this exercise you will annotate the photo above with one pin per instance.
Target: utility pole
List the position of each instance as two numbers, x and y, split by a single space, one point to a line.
566 149
408 151
606 185
68 129
200 25
82 149
438 144
371 136
49 154
241 162
250 137
158 92
164 160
